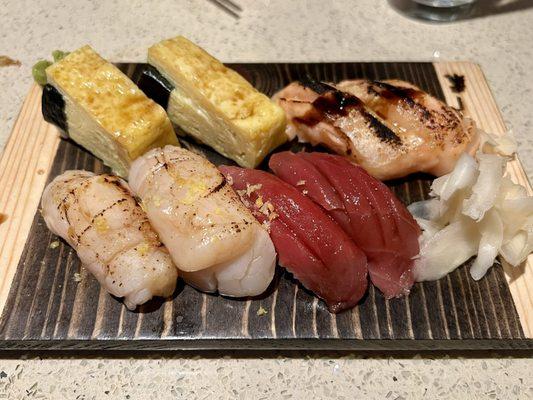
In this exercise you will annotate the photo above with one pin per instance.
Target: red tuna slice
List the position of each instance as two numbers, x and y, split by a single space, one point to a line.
290 167
405 230
355 215
399 231
304 176
399 228
379 223
391 273
309 243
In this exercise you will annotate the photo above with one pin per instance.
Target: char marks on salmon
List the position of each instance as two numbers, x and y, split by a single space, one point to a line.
391 128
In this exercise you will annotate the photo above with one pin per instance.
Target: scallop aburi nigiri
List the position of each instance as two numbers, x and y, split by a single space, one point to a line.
99 217
211 236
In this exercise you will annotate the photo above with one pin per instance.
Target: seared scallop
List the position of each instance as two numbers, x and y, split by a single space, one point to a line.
211 236
99 217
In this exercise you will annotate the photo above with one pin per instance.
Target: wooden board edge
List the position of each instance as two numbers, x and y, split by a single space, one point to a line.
24 167
318 344
479 103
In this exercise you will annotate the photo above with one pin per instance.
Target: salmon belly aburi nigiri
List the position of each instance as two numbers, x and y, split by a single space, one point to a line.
99 217
364 207
390 128
310 245
212 237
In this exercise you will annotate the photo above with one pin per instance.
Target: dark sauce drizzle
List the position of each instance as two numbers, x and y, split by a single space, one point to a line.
338 103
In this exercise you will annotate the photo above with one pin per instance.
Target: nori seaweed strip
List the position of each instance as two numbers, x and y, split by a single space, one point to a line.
155 86
53 108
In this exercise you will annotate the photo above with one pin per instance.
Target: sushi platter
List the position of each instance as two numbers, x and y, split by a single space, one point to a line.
49 300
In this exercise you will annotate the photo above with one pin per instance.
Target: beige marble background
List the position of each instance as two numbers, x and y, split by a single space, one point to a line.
272 30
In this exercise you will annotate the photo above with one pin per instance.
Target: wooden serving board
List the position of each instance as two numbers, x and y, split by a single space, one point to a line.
45 305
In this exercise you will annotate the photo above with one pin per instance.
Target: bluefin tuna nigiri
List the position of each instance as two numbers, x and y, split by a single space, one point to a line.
310 245
366 209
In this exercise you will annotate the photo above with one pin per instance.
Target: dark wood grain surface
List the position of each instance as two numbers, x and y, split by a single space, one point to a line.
54 303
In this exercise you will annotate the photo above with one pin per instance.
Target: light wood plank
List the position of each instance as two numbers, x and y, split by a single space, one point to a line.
24 168
479 104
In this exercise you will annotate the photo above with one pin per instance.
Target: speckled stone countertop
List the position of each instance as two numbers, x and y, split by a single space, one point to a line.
272 30
281 376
